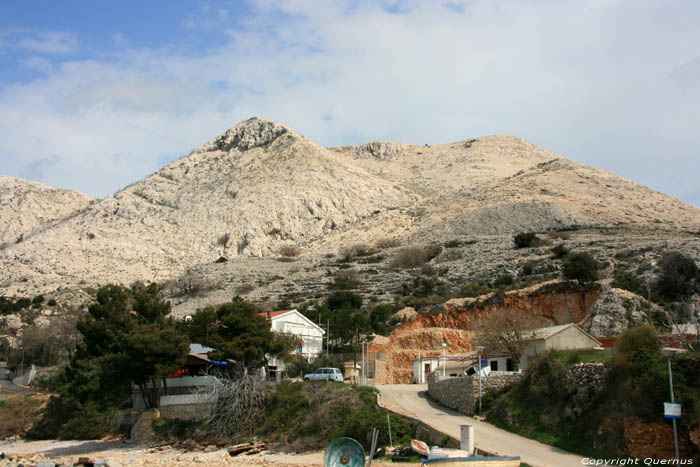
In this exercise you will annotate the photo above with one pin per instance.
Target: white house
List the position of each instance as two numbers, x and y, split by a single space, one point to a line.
292 322
562 337
454 365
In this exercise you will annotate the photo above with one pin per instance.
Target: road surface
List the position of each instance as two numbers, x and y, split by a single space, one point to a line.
7 384
412 400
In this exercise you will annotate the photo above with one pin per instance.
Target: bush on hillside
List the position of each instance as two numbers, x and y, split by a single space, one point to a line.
560 251
414 256
626 280
526 240
581 267
678 277
308 416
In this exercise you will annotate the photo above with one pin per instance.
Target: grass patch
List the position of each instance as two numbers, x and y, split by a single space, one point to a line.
307 416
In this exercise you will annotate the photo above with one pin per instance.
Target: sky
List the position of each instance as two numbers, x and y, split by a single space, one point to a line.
97 95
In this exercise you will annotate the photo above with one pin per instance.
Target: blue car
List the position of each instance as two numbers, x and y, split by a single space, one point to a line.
325 374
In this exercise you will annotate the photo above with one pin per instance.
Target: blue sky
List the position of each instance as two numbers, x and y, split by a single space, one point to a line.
97 95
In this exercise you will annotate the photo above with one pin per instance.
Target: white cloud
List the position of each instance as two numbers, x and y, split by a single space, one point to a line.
119 39
50 42
39 64
602 83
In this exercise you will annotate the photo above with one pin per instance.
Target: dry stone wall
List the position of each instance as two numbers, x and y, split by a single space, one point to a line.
462 393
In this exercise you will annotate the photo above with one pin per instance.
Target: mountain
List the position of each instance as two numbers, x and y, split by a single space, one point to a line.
261 190
25 206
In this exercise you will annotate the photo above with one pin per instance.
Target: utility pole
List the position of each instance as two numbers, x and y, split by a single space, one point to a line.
362 368
478 354
675 430
444 358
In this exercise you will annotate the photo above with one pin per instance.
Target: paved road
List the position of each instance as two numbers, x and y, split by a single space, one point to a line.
7 385
411 400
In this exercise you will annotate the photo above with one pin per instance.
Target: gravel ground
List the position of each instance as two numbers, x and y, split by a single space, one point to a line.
119 453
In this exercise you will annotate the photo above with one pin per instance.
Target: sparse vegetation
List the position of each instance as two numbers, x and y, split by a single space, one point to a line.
413 257
560 251
223 240
298 415
346 279
387 242
290 251
245 288
626 280
359 250
527 240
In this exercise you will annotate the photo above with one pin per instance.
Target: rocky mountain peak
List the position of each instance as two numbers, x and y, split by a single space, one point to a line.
252 133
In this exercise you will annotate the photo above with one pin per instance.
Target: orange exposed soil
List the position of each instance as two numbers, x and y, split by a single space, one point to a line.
552 303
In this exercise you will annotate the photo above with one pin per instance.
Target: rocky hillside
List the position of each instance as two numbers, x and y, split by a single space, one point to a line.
261 190
26 206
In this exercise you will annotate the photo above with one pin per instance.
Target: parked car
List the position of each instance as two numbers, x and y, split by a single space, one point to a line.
328 374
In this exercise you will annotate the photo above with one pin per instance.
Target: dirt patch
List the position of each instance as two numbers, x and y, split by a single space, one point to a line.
31 452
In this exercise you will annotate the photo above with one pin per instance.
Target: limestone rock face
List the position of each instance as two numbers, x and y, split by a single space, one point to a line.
250 134
261 189
25 206
617 310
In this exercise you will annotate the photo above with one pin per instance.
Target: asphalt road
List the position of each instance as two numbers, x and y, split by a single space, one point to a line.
7 385
412 400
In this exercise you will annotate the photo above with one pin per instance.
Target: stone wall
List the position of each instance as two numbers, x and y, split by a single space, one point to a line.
184 411
585 382
462 394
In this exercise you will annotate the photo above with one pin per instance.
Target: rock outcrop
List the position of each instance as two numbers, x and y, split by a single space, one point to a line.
26 206
617 310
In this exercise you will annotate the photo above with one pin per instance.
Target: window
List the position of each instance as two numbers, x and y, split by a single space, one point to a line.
494 365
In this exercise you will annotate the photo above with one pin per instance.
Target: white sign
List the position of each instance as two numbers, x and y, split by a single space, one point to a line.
672 410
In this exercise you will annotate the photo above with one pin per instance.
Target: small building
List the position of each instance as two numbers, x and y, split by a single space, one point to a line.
460 364
562 337
292 322
352 371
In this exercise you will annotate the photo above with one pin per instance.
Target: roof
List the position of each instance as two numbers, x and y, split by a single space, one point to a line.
357 364
546 333
274 314
200 349
277 314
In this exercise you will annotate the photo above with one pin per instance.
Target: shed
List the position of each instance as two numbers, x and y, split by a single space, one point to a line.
561 337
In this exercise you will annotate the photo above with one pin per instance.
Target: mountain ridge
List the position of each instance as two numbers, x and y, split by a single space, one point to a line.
260 188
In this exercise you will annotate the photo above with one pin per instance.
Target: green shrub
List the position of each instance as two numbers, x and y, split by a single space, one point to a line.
581 267
526 240
51 302
626 280
473 289
678 277
638 338
503 279
560 251
529 268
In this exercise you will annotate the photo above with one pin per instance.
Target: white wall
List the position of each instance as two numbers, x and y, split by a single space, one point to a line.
295 323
